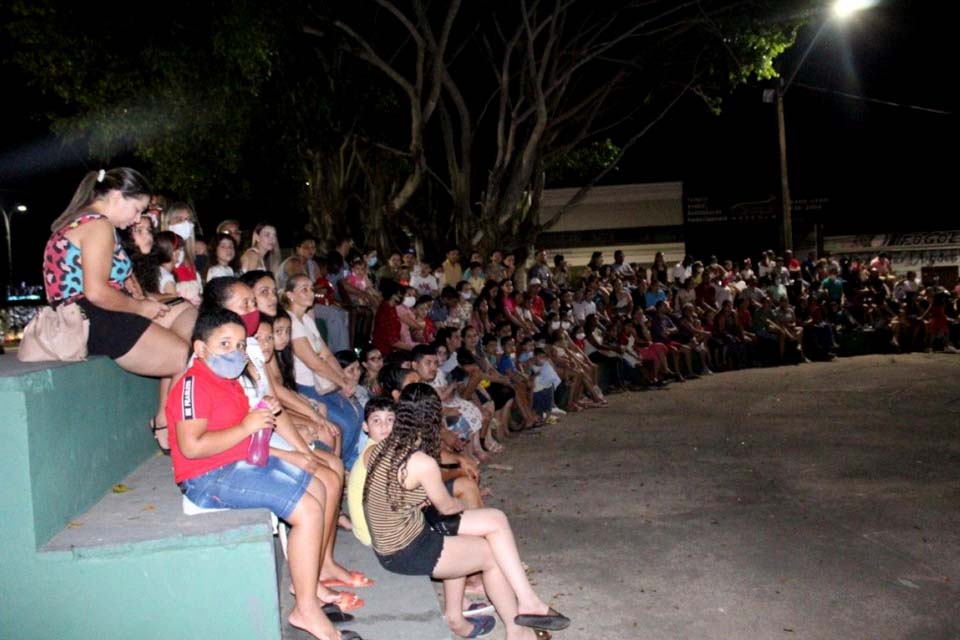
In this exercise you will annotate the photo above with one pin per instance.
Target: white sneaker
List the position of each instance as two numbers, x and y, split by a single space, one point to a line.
950 349
557 411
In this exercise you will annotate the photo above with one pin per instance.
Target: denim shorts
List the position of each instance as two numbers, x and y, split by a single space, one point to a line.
278 487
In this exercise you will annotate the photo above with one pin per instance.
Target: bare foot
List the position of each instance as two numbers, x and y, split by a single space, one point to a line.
313 621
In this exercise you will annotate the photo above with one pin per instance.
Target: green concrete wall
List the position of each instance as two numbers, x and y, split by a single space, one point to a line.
70 465
69 433
145 593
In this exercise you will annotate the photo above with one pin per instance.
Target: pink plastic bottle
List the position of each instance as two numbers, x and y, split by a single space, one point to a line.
258 451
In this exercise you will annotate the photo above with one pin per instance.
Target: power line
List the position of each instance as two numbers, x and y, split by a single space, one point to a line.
888 103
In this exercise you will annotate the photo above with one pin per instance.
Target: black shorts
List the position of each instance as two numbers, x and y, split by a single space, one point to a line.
501 394
419 558
112 333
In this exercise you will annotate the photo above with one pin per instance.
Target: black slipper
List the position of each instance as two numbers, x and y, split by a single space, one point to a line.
153 429
335 615
552 621
345 634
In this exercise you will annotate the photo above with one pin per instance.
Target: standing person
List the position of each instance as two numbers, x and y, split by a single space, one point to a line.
403 474
143 336
264 251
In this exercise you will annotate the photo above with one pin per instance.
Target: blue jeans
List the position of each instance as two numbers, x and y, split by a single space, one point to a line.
278 486
347 414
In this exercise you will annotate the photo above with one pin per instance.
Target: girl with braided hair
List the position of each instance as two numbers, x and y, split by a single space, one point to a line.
418 528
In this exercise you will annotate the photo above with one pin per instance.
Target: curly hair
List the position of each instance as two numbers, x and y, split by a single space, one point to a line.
417 428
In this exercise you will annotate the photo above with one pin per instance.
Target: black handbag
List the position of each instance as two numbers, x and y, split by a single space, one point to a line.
445 525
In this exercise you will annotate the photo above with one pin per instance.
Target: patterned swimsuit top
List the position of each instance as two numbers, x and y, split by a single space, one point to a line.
63 269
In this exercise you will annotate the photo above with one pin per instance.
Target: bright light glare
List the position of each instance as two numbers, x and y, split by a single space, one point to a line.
843 9
21 208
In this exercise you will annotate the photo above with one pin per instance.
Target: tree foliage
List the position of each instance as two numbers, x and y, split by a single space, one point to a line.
389 118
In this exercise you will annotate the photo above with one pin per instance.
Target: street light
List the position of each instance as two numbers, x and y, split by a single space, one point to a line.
840 10
20 208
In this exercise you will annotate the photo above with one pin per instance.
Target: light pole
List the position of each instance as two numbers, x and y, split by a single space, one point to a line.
840 10
20 208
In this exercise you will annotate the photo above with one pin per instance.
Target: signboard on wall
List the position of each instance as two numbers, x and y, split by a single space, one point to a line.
911 251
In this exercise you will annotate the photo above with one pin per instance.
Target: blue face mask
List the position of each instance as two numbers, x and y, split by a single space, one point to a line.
227 365
372 262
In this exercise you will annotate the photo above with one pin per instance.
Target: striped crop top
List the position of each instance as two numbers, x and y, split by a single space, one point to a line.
63 266
391 530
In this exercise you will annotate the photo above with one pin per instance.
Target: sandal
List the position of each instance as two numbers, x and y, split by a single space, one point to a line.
154 429
482 626
490 445
551 620
357 580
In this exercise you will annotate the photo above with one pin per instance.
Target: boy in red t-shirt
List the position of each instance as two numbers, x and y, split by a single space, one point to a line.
211 428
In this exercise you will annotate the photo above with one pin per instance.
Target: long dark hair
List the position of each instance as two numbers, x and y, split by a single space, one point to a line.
417 428
284 357
129 182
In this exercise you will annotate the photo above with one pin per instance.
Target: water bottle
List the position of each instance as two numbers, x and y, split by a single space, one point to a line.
258 451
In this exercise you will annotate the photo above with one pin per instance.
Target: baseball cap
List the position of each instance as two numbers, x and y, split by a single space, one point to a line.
533 281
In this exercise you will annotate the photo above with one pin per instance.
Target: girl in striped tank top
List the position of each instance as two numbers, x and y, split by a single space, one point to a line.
403 477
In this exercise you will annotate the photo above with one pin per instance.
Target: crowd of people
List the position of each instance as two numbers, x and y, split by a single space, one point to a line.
289 384
393 383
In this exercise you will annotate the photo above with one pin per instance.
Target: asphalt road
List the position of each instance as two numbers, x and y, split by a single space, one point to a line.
815 501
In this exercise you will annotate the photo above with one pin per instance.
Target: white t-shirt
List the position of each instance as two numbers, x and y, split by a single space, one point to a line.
255 391
425 285
166 278
681 273
301 372
582 309
217 271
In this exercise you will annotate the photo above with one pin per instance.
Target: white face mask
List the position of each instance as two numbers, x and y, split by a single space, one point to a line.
580 336
409 302
554 325
183 229
438 275
466 295
565 325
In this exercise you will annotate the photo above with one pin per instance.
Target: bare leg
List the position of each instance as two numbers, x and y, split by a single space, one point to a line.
463 555
453 592
303 549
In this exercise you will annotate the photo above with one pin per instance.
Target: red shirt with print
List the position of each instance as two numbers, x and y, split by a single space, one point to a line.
202 395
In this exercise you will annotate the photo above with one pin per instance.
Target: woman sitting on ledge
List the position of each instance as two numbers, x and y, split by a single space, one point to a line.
404 487
84 263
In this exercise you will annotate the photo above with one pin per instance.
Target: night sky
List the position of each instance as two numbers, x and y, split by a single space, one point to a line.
882 168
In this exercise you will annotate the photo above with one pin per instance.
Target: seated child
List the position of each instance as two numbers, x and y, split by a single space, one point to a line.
377 424
213 425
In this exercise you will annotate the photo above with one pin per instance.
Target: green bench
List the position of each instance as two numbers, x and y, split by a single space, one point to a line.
83 558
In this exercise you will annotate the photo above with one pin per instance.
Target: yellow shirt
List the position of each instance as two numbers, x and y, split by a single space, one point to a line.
452 274
358 477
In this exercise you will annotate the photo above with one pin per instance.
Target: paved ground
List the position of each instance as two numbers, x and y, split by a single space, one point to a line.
819 501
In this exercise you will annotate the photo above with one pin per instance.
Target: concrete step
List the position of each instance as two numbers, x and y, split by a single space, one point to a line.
396 607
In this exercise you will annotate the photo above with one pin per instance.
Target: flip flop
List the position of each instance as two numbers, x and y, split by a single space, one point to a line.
348 601
153 429
335 614
551 621
359 580
482 626
478 608
346 634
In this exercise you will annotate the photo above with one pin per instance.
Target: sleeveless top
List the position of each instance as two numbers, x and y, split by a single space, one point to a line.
391 530
63 266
